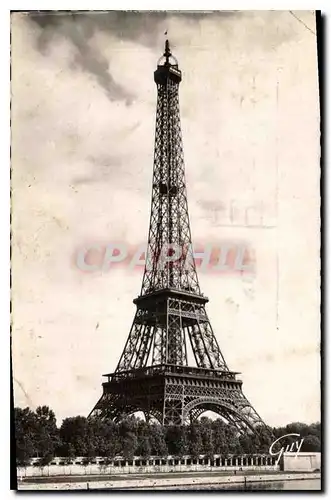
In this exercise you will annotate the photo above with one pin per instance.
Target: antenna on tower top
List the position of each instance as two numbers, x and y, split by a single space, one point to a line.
167 51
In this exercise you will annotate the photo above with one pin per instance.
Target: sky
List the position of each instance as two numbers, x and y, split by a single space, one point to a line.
83 124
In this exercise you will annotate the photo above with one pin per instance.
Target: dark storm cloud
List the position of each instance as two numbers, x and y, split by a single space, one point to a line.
78 31
142 27
79 28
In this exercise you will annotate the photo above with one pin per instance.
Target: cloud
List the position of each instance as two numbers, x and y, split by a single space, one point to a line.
141 27
79 29
106 167
87 56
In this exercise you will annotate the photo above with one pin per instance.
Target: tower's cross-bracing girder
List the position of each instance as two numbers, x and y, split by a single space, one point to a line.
153 374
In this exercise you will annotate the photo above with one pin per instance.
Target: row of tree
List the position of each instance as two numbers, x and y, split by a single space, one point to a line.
37 435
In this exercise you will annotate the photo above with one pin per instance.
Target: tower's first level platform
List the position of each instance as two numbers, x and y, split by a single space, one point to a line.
176 395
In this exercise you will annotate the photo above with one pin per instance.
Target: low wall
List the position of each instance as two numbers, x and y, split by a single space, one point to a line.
301 462
154 465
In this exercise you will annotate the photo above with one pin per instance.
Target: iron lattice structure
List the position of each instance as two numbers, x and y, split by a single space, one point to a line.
153 374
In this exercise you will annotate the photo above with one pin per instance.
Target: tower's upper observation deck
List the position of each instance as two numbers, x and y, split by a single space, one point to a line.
167 68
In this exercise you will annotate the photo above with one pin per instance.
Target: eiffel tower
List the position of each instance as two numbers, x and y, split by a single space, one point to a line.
153 375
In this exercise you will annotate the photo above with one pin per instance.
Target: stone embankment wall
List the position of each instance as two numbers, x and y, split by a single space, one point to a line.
301 462
149 483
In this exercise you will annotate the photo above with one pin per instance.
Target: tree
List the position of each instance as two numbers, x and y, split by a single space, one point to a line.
266 438
25 435
105 438
207 436
37 435
297 428
225 438
315 429
232 437
143 436
128 437
157 440
194 439
246 444
176 440
311 443
47 434
74 436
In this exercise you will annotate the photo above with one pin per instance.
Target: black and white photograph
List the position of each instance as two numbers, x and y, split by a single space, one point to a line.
165 250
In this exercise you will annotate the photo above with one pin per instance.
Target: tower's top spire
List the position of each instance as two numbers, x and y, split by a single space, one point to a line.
167 51
167 66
